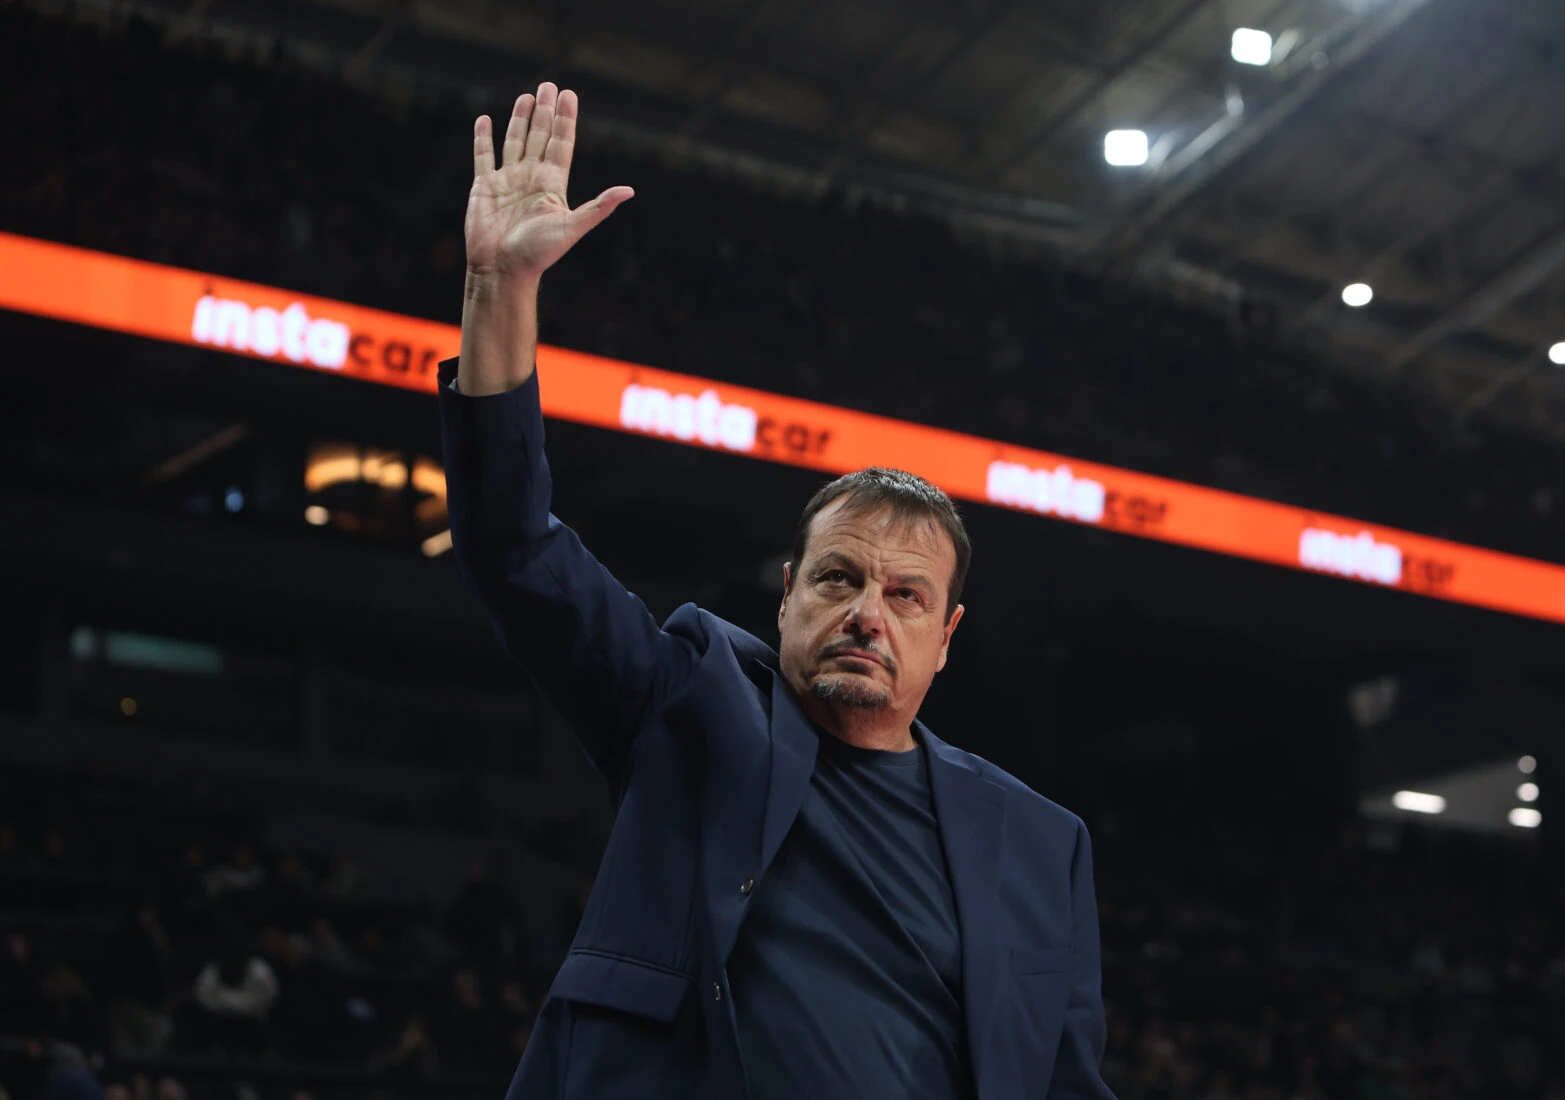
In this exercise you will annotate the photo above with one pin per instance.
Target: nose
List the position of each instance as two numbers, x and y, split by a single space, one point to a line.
867 616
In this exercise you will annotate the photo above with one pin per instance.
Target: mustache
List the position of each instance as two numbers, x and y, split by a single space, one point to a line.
848 645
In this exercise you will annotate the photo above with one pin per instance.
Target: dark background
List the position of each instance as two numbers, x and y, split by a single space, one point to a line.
184 677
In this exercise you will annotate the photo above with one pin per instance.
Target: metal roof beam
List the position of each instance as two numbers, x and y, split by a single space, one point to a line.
731 65
398 14
1475 202
977 29
1485 395
1192 175
1524 274
1058 119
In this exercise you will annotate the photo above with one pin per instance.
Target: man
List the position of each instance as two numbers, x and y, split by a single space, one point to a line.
806 893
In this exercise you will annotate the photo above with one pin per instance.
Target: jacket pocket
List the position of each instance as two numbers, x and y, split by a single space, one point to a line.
626 985
1051 961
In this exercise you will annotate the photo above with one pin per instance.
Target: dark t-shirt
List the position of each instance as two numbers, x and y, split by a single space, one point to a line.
847 974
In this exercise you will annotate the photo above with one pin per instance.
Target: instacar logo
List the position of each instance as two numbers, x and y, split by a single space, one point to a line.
227 323
1053 492
1351 555
705 418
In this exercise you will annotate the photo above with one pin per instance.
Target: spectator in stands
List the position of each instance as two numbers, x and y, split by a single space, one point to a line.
67 1011
513 1001
1222 1087
482 919
55 848
240 875
18 985
516 1014
373 948
141 1087
24 1067
345 879
574 905
235 993
291 898
413 1055
240 892
69 1075
310 1017
467 1030
327 947
133 984
189 905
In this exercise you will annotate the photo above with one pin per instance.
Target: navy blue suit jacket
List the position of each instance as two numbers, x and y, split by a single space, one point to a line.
708 758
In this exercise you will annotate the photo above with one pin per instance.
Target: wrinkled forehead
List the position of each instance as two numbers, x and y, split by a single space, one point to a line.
850 526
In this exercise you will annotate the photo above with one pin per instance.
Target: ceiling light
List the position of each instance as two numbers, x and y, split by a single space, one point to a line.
1557 354
1419 803
1357 295
1252 47
1125 148
1527 765
437 544
1527 792
316 515
1525 817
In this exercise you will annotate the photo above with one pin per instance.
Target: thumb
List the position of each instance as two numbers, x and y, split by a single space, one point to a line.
589 214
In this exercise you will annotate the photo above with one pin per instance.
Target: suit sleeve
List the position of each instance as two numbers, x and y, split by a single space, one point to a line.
1077 1066
593 647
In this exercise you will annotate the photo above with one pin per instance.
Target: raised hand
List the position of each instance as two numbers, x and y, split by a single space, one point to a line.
518 221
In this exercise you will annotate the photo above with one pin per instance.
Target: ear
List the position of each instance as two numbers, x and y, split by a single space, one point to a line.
945 636
787 588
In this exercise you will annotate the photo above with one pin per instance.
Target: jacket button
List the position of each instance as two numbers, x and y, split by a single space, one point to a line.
717 992
746 886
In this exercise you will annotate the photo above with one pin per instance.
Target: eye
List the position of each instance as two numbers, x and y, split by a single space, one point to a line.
834 576
910 594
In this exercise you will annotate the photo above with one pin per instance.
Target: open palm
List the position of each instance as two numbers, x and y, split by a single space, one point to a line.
518 220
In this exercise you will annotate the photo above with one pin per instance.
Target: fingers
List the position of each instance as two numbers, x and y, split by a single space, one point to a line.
562 138
542 121
483 147
516 129
590 214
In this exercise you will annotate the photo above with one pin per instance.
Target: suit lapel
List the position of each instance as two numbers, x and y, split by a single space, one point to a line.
794 745
970 811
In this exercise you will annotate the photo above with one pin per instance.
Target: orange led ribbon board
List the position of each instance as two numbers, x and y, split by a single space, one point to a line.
191 307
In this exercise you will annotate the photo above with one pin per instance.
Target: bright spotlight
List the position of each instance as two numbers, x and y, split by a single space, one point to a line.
1527 765
1557 354
1357 295
1419 803
1125 148
1525 817
1527 792
438 544
1252 47
317 516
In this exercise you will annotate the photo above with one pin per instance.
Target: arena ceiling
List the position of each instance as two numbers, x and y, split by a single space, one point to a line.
1414 145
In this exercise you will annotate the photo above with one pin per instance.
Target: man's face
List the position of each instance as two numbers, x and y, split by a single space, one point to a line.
863 617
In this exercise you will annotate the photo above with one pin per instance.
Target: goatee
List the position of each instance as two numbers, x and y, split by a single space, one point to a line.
852 693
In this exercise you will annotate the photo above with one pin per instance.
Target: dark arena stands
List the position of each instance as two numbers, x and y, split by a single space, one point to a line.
279 819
